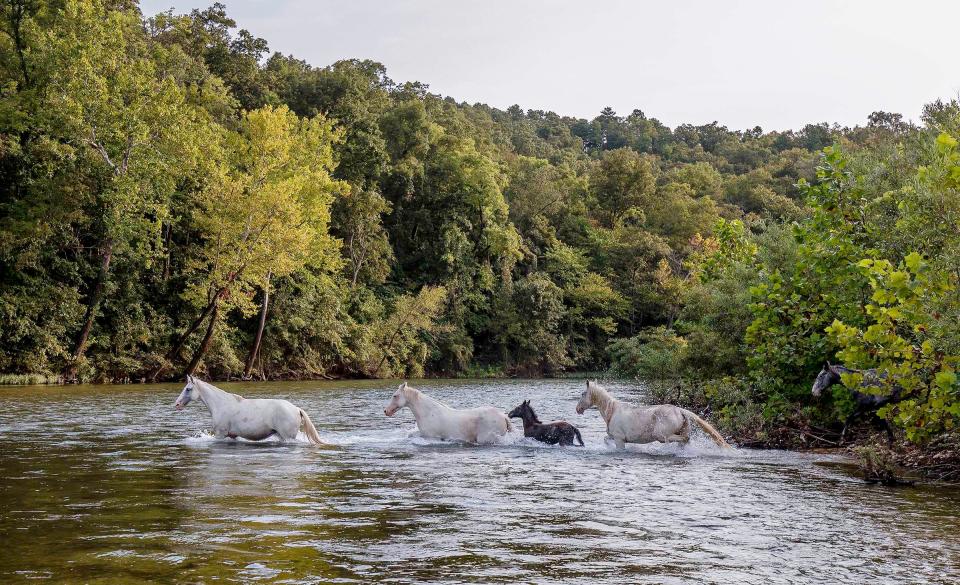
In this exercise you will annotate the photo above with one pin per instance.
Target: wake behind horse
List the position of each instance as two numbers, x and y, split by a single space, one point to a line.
254 419
643 424
551 433
438 421
864 403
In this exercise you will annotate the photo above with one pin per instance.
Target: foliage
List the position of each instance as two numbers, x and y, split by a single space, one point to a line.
654 354
898 345
160 176
400 346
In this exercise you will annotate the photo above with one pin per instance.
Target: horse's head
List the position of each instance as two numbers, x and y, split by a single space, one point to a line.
523 411
827 377
586 398
190 393
397 401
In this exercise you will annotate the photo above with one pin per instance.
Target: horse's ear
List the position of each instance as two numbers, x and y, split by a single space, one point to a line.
404 385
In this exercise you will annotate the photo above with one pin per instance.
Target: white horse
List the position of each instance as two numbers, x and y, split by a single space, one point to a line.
643 424
438 421
254 419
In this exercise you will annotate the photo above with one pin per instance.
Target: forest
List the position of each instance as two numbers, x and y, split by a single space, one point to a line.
175 198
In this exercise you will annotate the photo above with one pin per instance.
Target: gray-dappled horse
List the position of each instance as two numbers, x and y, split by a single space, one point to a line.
863 403
254 419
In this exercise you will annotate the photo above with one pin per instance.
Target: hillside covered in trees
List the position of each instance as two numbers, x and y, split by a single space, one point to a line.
174 197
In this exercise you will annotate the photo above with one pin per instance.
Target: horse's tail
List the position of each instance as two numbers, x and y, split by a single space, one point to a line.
708 428
576 431
310 430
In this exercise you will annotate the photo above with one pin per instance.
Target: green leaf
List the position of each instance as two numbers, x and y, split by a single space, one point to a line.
946 142
946 379
913 261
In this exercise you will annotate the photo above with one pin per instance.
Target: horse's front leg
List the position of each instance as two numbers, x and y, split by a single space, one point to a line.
846 424
620 443
222 431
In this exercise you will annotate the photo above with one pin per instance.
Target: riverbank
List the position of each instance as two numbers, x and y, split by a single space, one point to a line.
489 373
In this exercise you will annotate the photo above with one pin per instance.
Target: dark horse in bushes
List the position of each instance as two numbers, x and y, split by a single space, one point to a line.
551 433
863 403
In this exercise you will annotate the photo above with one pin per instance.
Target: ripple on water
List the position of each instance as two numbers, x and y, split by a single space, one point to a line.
128 489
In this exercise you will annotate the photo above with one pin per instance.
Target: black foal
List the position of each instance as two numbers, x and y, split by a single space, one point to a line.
552 433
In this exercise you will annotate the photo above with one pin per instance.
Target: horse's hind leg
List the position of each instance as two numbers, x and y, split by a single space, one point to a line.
287 430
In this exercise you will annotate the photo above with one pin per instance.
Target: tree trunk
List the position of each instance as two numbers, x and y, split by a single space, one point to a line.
96 297
205 344
17 14
166 259
182 340
255 349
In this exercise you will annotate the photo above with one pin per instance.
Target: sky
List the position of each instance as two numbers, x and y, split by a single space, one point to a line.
742 63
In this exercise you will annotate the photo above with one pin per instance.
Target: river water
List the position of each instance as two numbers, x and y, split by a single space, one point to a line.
109 484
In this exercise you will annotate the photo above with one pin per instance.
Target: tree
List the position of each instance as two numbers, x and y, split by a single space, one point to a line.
365 241
623 180
265 211
400 345
530 328
107 98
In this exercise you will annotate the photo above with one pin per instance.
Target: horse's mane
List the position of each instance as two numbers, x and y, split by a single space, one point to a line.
600 397
236 397
420 395
533 414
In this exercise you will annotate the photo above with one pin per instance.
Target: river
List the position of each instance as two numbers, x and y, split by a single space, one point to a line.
109 484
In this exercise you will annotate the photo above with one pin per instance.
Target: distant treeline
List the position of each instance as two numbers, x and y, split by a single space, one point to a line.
175 198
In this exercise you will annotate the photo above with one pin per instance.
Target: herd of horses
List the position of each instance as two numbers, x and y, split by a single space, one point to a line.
259 418
256 419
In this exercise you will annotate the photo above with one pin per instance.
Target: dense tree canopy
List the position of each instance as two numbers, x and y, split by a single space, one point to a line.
173 197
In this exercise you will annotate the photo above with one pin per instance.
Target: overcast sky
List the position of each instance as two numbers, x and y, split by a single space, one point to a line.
741 62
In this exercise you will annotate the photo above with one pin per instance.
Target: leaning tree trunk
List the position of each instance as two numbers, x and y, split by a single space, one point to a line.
93 304
177 348
205 344
255 349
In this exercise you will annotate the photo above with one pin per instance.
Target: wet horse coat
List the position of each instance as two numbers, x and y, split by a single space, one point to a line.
551 433
436 420
643 424
252 419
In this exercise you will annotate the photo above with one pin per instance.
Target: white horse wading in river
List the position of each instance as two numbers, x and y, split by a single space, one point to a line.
438 421
251 418
643 424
